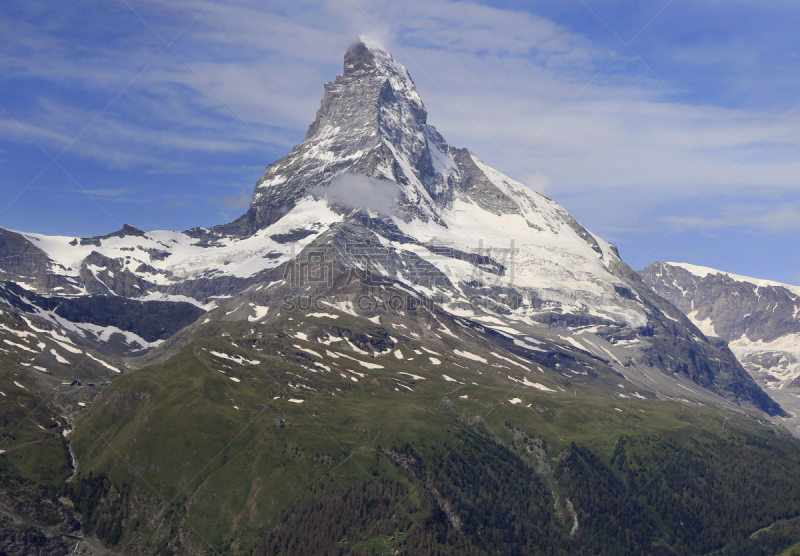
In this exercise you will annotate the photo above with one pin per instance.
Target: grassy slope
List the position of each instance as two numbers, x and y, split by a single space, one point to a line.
29 426
35 460
206 477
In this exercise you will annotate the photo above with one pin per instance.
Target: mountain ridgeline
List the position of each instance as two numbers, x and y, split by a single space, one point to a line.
758 318
469 240
395 350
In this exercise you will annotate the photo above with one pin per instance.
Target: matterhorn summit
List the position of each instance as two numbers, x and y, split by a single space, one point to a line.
374 214
371 122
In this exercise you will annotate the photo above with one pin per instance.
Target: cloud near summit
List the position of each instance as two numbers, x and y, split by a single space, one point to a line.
360 191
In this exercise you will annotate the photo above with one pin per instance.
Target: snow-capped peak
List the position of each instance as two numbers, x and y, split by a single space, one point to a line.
369 59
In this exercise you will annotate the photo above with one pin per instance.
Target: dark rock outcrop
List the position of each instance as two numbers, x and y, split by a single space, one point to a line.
20 257
151 320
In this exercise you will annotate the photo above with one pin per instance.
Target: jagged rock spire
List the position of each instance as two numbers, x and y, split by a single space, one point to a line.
371 121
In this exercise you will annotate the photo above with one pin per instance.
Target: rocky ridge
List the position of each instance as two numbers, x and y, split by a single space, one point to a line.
759 319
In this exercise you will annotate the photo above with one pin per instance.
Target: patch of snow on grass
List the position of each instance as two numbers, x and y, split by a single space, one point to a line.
343 306
20 333
235 358
509 360
58 357
67 347
355 348
468 355
20 346
526 382
103 363
261 312
327 315
533 340
527 346
435 361
370 365
311 351
367 365
515 401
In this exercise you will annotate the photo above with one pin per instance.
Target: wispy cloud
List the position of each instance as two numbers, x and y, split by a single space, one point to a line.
360 191
782 220
242 199
107 193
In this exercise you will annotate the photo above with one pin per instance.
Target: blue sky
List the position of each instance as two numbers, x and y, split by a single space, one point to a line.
670 128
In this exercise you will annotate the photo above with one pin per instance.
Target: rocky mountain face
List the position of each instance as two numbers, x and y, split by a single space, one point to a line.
371 122
758 318
88 318
376 215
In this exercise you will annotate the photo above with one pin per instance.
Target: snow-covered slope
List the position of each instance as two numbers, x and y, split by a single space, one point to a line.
374 200
135 264
760 319
114 325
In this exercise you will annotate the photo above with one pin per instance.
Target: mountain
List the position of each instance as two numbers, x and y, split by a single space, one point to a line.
374 197
396 349
758 318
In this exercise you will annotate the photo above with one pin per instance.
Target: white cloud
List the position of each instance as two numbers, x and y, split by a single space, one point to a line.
784 219
360 191
537 181
241 200
109 193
